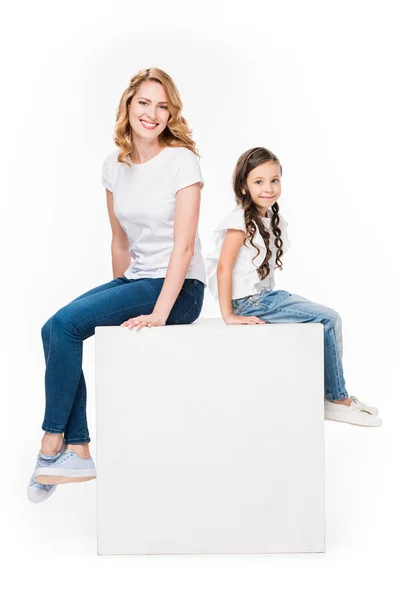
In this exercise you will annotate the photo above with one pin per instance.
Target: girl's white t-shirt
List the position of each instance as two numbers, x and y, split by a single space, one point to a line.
245 279
144 204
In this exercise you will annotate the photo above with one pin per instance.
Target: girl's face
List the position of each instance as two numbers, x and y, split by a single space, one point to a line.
264 183
148 111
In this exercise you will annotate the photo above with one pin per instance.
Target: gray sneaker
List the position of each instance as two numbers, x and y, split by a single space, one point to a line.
69 467
38 492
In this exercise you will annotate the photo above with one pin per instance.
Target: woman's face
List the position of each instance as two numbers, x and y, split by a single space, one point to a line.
148 112
264 183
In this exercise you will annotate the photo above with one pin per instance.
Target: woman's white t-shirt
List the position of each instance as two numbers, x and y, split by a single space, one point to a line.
144 204
245 279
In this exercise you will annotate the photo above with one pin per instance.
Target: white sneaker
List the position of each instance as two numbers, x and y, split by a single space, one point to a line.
371 409
355 414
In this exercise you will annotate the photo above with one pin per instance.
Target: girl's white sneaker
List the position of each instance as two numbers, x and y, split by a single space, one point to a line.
355 414
371 409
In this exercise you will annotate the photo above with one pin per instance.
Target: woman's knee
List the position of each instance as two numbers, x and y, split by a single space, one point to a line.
64 319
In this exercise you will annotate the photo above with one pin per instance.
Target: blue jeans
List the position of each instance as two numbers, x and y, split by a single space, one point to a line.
63 335
278 306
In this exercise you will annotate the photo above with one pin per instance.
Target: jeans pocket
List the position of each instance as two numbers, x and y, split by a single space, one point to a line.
255 299
239 305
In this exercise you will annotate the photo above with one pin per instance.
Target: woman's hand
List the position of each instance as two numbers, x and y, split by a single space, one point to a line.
237 320
152 320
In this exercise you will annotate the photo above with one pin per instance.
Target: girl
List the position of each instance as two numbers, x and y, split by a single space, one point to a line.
153 182
250 243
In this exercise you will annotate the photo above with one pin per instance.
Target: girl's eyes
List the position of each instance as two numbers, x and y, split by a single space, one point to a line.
143 102
260 180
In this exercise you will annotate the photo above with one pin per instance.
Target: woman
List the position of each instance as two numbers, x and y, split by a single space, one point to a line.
153 182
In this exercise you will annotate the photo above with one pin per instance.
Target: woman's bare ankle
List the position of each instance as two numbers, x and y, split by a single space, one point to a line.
81 450
51 443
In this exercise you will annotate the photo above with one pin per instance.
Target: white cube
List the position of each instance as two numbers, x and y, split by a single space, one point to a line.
210 439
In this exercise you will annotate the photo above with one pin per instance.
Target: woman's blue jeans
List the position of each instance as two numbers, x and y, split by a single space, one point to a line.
63 335
279 306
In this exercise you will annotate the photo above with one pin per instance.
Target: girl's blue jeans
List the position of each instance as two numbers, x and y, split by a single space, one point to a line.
279 306
63 335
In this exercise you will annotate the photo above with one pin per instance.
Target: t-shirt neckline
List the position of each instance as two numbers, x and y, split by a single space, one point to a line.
147 161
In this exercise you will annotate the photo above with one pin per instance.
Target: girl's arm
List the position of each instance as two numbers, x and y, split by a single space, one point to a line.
186 219
230 249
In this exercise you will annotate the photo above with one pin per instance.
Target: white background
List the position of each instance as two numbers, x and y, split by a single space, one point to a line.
316 82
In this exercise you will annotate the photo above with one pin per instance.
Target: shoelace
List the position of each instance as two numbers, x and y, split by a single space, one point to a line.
64 457
360 405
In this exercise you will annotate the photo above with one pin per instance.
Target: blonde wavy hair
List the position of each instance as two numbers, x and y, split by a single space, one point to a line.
176 133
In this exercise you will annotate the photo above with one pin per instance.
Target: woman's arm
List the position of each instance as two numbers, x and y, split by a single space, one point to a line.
230 249
186 219
119 244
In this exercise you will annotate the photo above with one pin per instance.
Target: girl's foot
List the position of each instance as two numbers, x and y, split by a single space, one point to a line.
371 409
38 492
353 399
355 414
68 468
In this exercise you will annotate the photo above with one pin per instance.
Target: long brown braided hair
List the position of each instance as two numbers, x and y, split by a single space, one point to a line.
248 161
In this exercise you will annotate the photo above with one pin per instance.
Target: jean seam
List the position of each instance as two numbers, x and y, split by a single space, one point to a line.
338 379
196 297
51 430
194 305
115 312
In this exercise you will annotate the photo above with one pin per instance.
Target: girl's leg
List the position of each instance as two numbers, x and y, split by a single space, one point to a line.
52 442
282 307
76 321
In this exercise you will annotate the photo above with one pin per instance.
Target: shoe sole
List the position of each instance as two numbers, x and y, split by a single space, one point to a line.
57 479
341 420
48 475
371 410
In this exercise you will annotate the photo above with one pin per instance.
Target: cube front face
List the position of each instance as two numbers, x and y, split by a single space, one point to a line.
210 439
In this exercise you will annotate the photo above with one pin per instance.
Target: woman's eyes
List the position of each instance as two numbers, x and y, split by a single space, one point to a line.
260 180
143 102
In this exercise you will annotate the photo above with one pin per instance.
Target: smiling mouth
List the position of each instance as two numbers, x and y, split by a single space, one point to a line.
267 197
147 124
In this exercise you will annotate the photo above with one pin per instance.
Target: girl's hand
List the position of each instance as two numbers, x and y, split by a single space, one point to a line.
152 320
237 320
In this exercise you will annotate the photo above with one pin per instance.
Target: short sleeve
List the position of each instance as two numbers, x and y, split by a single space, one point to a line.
187 171
106 178
235 220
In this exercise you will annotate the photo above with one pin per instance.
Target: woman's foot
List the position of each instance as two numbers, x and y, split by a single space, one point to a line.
353 412
38 492
68 468
81 450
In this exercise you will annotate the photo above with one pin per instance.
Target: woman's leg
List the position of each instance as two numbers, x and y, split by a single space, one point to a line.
76 321
279 306
52 442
